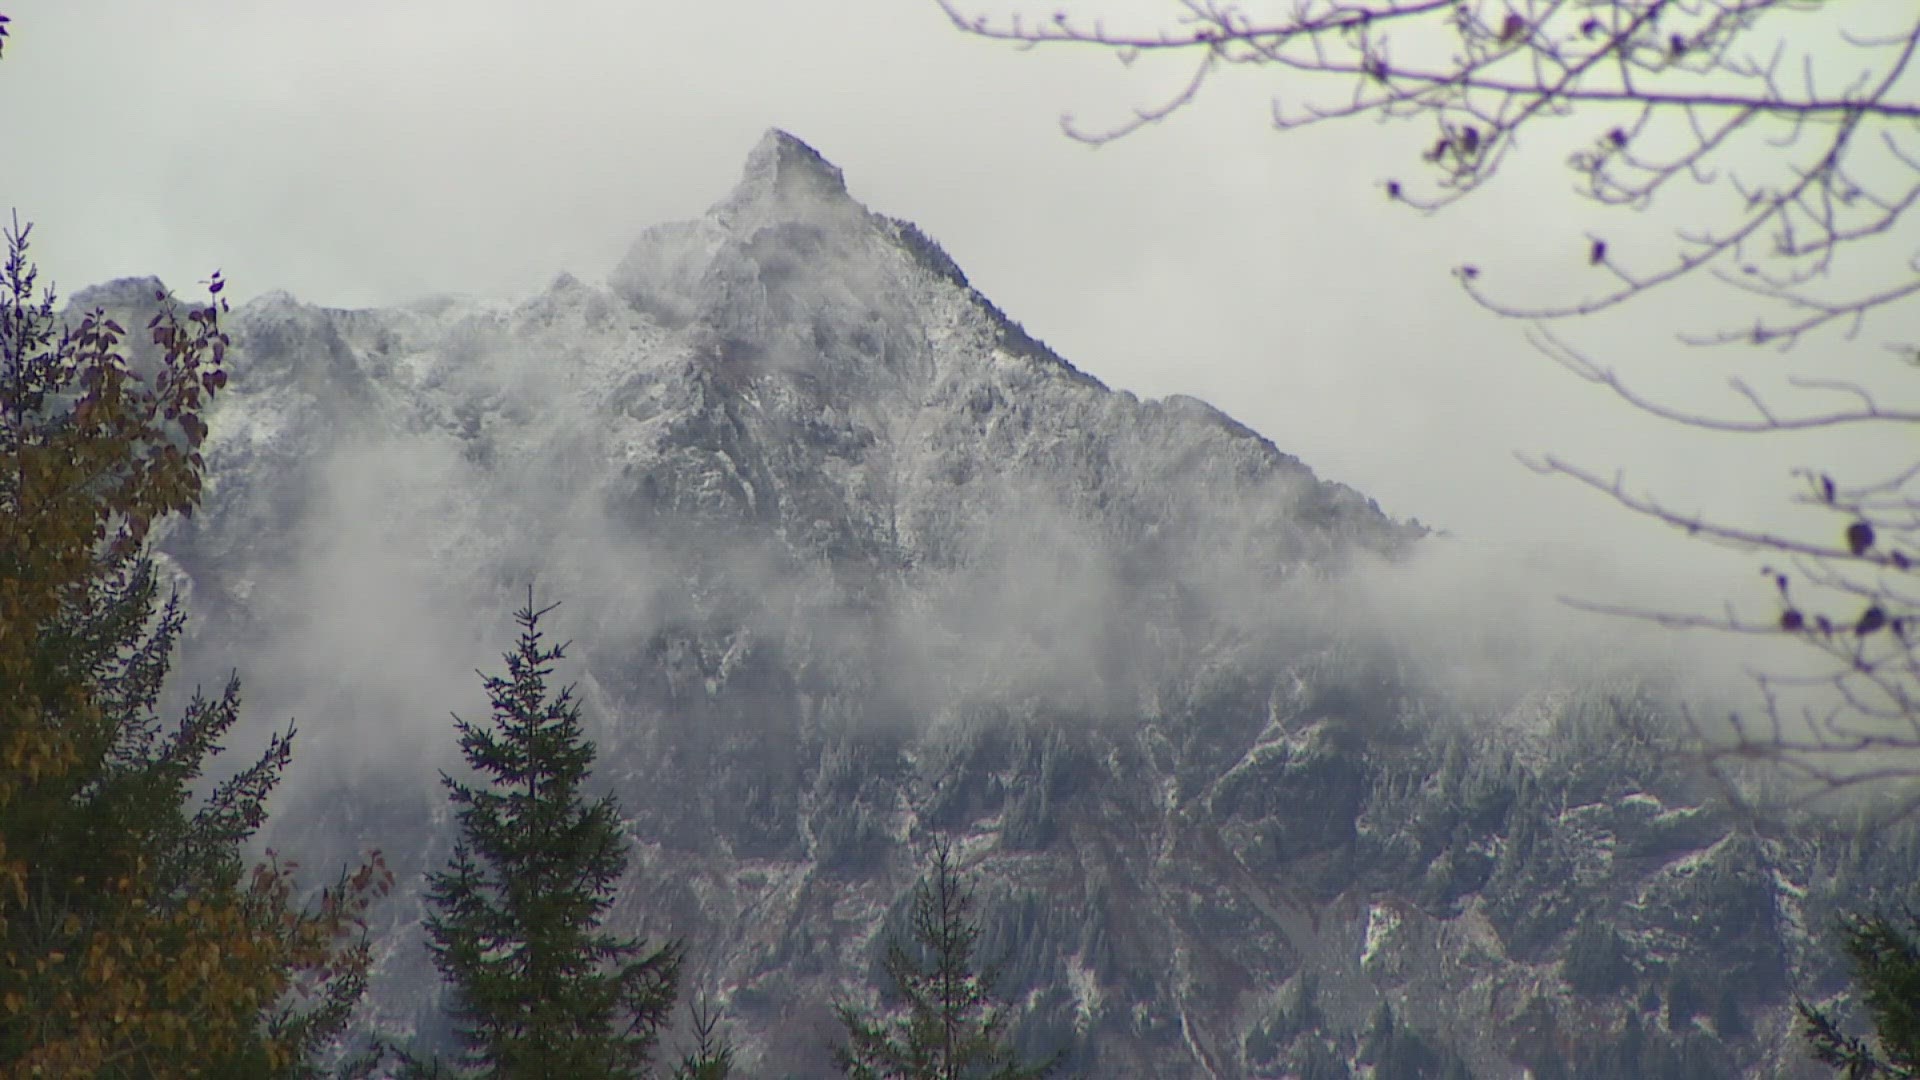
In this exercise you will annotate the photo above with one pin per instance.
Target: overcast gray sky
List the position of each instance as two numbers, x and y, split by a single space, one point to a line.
361 153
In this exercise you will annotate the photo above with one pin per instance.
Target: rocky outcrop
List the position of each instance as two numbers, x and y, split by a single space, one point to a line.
852 560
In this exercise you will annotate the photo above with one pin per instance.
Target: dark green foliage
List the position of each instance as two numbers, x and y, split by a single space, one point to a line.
129 918
1729 1021
696 1066
126 808
1435 826
1538 1042
1046 778
1020 933
1526 899
541 991
850 792
712 1055
849 838
1684 1002
948 1027
1726 910
1397 1052
930 254
967 764
1886 969
1596 960
1647 1055
1318 1062
1292 1041
1301 807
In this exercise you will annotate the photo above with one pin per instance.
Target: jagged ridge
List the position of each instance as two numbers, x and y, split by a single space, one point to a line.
853 560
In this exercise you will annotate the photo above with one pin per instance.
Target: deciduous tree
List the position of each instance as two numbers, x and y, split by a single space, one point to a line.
1783 139
135 941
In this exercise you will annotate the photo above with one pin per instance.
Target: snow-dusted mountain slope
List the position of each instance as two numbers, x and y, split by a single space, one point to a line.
851 560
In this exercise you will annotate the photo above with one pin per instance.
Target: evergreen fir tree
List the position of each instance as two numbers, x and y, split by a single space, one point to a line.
949 1028
541 991
712 1055
1886 970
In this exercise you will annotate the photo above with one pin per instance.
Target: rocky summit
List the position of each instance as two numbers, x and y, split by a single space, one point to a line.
851 561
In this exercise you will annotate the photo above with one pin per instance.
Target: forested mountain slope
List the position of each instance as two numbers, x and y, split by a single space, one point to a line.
850 559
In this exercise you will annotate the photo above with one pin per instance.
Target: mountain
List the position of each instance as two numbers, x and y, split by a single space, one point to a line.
851 560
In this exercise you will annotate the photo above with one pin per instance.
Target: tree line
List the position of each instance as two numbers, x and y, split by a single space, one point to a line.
136 939
1795 123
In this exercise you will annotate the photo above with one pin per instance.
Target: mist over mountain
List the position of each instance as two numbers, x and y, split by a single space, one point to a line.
1255 779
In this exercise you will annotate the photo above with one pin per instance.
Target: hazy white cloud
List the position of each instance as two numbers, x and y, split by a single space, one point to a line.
366 153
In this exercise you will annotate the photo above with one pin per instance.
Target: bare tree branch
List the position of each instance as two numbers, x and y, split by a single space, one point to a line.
1808 131
1677 93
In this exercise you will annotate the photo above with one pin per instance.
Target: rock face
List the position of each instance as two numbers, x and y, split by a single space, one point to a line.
852 561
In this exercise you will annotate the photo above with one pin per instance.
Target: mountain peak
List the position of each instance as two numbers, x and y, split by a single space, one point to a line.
126 292
784 157
786 179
